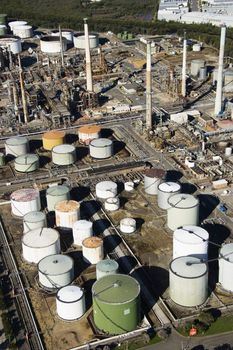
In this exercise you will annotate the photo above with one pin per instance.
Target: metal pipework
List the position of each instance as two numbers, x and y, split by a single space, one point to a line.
24 101
183 88
218 100
148 87
88 58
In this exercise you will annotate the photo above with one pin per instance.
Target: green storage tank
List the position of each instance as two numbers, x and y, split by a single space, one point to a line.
116 303
3 18
119 35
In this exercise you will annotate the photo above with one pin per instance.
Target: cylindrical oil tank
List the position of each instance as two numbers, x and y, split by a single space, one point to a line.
2 159
106 189
106 267
12 43
39 243
101 148
67 34
129 186
56 271
184 210
3 29
152 178
112 204
226 267
3 18
24 201
14 24
53 138
93 249
23 32
51 45
203 73
116 303
64 155
17 146
196 47
82 229
33 220
188 280
228 151
27 163
196 65
70 302
56 194
228 76
128 225
67 212
190 241
79 41
165 191
88 133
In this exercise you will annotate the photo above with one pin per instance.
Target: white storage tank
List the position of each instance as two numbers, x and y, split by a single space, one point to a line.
165 191
56 271
24 201
196 47
39 243
184 210
51 44
106 189
67 212
67 34
129 186
11 42
93 249
112 204
188 280
16 146
23 31
196 65
14 24
64 155
128 225
88 133
82 229
226 267
33 220
228 151
203 73
27 163
190 240
152 178
70 302
101 148
79 41
56 194
106 267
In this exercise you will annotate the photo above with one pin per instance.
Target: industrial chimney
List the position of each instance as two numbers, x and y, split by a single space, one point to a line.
218 100
148 87
183 88
88 58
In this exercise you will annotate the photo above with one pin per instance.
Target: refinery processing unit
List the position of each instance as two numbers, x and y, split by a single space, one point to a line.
116 181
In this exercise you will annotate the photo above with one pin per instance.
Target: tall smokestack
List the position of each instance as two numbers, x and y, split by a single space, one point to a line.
183 88
148 87
218 100
24 101
88 58
61 44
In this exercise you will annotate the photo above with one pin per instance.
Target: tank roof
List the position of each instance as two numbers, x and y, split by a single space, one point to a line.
25 194
116 289
34 216
92 242
183 201
188 267
191 234
57 190
69 294
154 173
55 264
106 185
16 141
107 265
66 206
28 158
17 23
226 252
54 134
52 38
40 237
89 129
101 142
169 187
128 221
81 224
63 149
112 200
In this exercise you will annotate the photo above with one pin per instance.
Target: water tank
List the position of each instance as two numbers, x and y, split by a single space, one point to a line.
112 204
101 148
184 210
202 73
129 186
70 302
196 65
128 225
24 201
33 220
88 133
190 240
152 178
106 189
226 267
14 24
3 18
56 194
39 243
116 303
196 47
188 280
16 146
51 45
51 139
67 34
82 229
64 155
27 163
23 31
79 41
3 29
165 191
11 42
106 267
228 151
67 212
56 271
93 249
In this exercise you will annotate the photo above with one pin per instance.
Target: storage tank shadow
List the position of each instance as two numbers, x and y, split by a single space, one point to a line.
89 208
118 146
160 278
44 160
79 193
111 242
173 175
139 223
207 205
28 61
106 133
66 237
187 187
81 152
127 263
87 286
80 264
100 225
34 145
71 138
